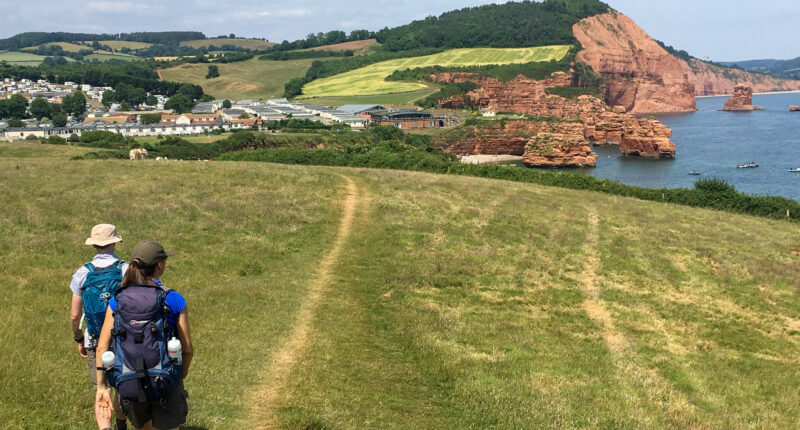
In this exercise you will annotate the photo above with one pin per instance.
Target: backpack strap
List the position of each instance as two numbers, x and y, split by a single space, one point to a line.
89 266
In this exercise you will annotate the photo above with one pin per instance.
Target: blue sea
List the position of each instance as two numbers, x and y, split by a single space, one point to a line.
714 143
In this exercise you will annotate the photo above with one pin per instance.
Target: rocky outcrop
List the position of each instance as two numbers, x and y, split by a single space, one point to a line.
742 100
713 80
640 75
794 108
602 124
559 145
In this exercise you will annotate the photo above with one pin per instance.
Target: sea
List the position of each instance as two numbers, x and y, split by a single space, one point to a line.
714 142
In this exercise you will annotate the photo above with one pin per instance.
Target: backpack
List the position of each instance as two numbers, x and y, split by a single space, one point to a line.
142 368
96 291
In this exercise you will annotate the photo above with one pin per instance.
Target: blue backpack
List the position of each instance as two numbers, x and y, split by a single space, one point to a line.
96 291
142 368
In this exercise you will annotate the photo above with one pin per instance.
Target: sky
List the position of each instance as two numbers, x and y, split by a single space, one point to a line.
720 30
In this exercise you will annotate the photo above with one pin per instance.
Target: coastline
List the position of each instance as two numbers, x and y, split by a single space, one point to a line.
755 94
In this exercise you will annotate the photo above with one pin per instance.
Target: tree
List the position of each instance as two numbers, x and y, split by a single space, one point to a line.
226 104
213 71
150 118
137 96
151 100
17 106
40 108
194 92
59 119
109 97
3 108
74 138
125 106
180 103
74 104
16 123
244 115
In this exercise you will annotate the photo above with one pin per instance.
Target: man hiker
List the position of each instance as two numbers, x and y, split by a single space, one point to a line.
92 285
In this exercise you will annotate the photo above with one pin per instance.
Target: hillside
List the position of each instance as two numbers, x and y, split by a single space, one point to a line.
358 46
371 79
455 303
789 69
252 44
711 79
239 80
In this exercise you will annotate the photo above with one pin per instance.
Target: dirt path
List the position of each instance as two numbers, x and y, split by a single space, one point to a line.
160 77
676 409
273 381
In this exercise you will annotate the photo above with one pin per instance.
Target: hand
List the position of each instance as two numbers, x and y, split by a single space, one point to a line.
103 407
82 349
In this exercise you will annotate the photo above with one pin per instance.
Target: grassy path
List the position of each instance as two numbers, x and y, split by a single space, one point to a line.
273 381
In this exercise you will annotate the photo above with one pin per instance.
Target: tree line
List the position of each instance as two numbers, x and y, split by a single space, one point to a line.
16 108
502 26
28 39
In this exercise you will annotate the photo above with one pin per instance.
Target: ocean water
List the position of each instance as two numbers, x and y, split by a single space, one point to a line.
714 143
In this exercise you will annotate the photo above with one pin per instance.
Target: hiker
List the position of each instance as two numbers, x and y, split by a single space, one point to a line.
92 286
143 317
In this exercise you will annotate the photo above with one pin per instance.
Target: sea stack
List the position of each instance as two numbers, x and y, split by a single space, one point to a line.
794 108
742 100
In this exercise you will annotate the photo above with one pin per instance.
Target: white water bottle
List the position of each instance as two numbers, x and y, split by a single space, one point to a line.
174 351
108 360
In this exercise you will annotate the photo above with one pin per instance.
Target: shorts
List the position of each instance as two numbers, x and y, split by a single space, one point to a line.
167 413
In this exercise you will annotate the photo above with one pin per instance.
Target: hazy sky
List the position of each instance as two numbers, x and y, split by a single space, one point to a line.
724 30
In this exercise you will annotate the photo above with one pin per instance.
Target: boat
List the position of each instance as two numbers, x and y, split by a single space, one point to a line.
797 170
693 173
749 165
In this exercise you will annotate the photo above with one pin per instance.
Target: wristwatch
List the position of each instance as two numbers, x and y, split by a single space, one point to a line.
79 339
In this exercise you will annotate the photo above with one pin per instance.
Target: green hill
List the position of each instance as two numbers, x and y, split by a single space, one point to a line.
347 298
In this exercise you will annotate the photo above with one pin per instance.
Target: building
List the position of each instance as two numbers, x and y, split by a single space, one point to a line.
408 120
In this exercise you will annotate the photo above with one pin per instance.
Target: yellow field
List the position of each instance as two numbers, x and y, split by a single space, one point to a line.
356 45
240 42
119 44
66 46
371 79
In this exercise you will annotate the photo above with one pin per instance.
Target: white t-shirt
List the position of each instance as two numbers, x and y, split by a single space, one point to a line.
99 261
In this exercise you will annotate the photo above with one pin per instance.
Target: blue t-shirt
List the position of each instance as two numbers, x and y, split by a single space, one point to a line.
175 302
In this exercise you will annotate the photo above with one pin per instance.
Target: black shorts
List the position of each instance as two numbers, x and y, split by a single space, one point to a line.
167 413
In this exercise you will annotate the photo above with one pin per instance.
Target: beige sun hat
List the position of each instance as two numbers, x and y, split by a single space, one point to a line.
103 234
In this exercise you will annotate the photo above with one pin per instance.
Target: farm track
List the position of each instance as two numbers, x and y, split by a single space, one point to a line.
673 406
273 381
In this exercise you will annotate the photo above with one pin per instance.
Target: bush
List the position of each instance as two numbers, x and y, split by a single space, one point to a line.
714 185
56 140
32 138
74 138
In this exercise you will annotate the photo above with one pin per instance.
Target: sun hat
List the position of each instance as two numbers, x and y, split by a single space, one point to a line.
103 234
149 252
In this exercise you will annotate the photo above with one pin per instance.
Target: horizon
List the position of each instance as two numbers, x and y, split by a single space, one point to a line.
704 30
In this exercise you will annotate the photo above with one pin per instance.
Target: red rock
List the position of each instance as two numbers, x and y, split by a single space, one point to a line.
640 75
713 80
794 108
742 100
560 144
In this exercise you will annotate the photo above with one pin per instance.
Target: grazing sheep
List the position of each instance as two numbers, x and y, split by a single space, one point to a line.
162 158
138 154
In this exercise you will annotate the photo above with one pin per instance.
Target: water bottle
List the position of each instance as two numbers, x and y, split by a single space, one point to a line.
174 351
108 360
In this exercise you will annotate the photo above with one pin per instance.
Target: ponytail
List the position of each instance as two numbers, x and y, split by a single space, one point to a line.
138 273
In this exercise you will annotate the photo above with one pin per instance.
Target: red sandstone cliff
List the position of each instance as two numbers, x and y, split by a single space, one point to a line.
640 74
711 80
742 100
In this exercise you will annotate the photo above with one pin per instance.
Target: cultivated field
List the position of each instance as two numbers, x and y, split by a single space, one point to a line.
341 298
253 44
66 46
244 79
395 99
105 56
371 79
359 46
119 44
21 58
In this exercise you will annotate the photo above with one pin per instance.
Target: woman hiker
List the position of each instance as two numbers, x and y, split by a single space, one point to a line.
142 316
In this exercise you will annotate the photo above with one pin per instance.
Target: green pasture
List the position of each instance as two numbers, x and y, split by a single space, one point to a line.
253 44
455 303
396 99
119 44
253 78
21 58
105 56
371 79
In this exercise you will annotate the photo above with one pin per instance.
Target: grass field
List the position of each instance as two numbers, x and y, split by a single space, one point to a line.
244 79
358 46
105 56
66 46
21 58
371 79
119 44
398 99
451 303
253 44
193 139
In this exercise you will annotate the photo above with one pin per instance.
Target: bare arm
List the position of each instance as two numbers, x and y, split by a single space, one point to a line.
186 341
75 315
103 407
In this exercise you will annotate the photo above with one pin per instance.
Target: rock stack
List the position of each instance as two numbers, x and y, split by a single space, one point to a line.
794 108
741 101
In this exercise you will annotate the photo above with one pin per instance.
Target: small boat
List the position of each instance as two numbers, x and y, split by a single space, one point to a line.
693 173
749 165
797 170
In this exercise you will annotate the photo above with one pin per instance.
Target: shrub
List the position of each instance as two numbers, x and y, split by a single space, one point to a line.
714 185
56 140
